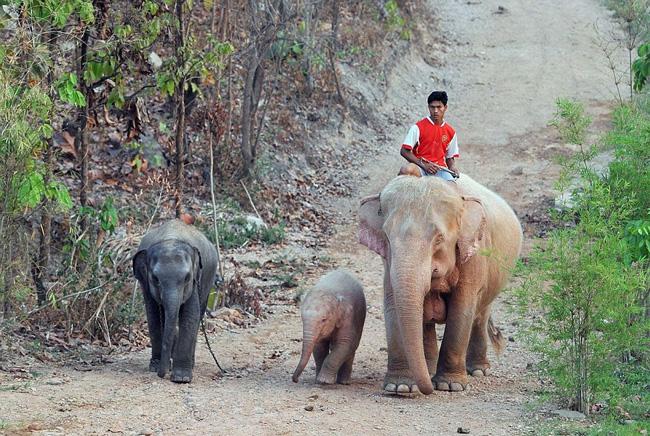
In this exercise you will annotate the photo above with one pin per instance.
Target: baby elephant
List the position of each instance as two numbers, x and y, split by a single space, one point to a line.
333 314
176 266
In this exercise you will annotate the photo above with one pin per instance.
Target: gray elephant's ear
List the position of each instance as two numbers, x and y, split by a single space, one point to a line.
371 221
472 228
140 267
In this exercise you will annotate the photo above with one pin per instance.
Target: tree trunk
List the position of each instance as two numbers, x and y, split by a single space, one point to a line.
180 112
246 116
81 141
333 47
41 263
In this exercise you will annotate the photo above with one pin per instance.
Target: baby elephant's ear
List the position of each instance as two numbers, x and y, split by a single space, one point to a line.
472 228
197 266
140 266
371 221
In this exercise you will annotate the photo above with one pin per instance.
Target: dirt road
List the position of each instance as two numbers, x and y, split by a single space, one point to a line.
503 64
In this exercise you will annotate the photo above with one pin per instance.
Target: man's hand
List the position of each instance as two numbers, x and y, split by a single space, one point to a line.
428 166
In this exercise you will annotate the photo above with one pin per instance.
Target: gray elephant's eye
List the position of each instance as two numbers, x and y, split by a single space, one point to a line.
187 277
155 281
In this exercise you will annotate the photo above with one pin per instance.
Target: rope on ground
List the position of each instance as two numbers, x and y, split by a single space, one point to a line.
207 342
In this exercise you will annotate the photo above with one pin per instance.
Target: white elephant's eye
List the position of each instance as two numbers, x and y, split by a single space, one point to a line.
439 239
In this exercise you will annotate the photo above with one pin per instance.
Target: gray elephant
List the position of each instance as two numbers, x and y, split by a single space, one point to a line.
176 266
448 250
333 314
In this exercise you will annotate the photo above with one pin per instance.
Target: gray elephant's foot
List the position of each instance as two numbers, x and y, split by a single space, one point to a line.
449 383
154 364
397 383
181 375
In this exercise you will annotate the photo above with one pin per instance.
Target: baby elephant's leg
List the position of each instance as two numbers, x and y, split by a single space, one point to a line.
345 373
335 359
321 350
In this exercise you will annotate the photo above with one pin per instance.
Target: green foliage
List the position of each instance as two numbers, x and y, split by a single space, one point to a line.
585 296
641 66
631 141
571 121
238 232
21 110
395 21
66 86
637 235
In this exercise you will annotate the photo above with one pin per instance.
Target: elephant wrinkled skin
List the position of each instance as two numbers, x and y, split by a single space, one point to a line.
333 314
448 249
176 266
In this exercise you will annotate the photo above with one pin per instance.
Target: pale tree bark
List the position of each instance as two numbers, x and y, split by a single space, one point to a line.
265 19
333 48
41 262
81 140
180 110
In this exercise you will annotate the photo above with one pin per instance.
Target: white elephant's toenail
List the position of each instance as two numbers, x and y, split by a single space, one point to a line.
415 389
487 371
390 387
442 386
403 389
478 373
456 387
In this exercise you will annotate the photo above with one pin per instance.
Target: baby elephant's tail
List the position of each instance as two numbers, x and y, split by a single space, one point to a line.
498 342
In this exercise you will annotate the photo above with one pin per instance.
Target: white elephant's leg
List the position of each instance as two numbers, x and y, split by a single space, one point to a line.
451 374
477 361
321 350
398 377
345 372
185 346
430 346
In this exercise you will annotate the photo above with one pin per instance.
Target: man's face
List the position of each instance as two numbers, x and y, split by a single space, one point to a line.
437 111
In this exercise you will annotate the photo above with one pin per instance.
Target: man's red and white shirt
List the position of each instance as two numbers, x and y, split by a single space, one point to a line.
432 142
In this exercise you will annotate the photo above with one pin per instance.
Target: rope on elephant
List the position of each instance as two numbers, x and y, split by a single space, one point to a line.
207 342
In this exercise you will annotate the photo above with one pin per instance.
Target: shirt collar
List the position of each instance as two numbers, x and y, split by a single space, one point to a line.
431 121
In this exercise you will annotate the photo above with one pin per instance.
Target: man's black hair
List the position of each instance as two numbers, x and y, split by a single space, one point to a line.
438 96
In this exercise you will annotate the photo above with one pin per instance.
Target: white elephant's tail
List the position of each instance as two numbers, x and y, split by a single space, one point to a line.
498 342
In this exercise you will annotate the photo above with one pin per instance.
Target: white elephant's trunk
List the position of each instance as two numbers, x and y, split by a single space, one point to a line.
409 288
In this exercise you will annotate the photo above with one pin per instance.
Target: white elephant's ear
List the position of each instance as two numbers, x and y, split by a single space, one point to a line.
472 228
371 221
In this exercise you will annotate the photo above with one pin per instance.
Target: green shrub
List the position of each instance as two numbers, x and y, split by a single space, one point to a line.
238 232
586 287
571 121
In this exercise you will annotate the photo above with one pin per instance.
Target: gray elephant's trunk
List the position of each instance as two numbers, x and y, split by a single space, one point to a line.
171 306
307 350
409 288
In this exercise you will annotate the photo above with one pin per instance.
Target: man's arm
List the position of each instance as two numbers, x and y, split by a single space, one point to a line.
451 164
424 164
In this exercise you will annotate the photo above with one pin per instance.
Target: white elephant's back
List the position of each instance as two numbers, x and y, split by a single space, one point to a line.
503 223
